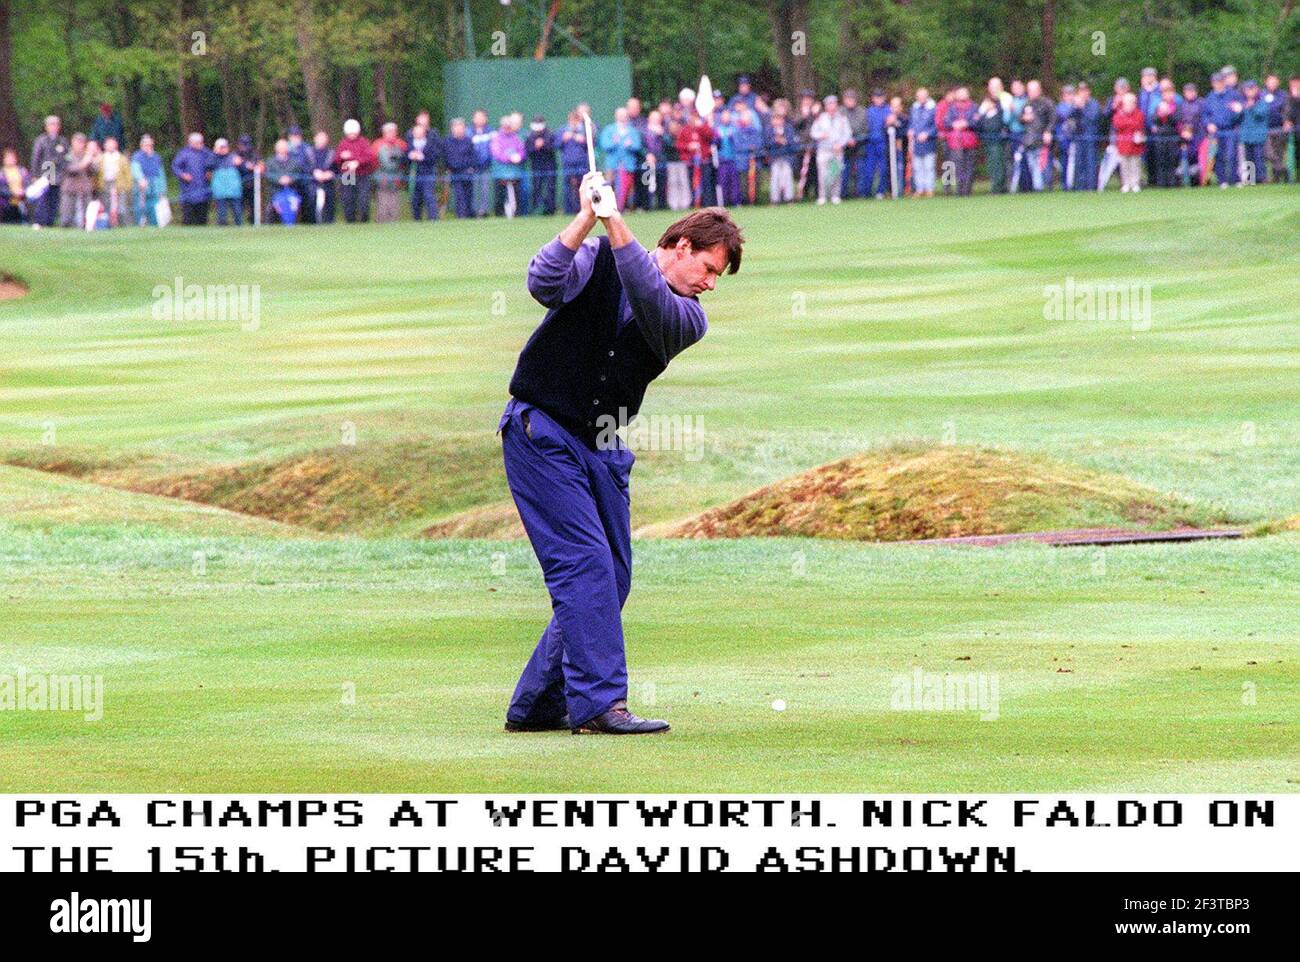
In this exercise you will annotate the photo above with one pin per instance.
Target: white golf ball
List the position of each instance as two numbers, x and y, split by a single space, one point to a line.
778 705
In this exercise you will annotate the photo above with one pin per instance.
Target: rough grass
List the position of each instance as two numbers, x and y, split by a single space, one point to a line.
384 487
904 494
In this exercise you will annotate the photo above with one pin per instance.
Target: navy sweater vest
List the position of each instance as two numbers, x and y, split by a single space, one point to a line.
579 367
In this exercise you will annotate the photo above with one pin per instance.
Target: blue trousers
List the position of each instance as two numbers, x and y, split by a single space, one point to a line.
575 506
875 170
1225 159
424 198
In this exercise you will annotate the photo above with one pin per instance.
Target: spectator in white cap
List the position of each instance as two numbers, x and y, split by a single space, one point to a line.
356 161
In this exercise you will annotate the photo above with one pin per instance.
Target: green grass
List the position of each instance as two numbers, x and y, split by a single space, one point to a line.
1156 668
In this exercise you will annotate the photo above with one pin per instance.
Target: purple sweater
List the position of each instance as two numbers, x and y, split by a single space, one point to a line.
669 322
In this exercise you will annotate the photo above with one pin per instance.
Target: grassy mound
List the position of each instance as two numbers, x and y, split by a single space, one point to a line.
904 494
393 487
493 522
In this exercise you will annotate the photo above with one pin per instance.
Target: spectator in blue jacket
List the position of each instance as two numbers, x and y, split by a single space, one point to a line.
1222 118
923 136
876 156
747 145
225 183
744 94
1191 134
323 176
572 141
1254 132
540 147
621 145
301 155
193 166
1148 97
423 148
459 156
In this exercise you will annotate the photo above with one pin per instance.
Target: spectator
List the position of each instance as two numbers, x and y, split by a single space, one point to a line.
653 139
876 155
481 134
14 181
1191 136
392 165
1275 99
1222 118
49 160
809 108
897 125
676 192
1063 135
250 169
1087 116
728 174
1254 134
744 94
1291 115
1129 127
461 159
923 134
1148 98
113 182
320 207
300 153
640 193
694 147
959 135
423 150
830 132
192 166
78 183
990 127
107 124
541 165
747 145
356 162
283 174
572 142
507 167
1032 159
855 151
1015 129
150 179
227 191
620 144
1110 161
781 146
1165 139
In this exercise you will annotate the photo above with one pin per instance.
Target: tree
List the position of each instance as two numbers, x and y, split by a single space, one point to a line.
10 136
791 35
320 109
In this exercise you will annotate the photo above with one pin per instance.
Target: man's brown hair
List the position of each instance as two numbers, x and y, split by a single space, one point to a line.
705 228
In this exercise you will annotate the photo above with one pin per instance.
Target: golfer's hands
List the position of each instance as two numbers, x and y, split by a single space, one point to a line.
597 196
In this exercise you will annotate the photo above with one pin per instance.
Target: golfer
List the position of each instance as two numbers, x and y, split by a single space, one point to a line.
617 314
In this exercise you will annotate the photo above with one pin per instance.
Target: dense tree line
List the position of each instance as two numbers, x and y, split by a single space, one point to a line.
256 66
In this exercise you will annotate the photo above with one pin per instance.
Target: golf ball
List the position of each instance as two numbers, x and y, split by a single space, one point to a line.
778 705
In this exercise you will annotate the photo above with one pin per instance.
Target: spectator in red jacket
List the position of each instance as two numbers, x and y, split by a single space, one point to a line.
959 134
356 161
1130 140
695 149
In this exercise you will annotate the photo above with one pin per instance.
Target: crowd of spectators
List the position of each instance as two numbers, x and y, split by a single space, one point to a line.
746 150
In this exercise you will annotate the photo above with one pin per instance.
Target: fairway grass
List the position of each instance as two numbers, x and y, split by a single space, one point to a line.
344 653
